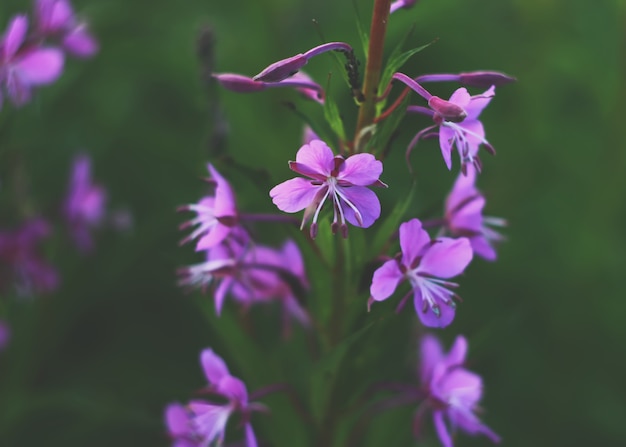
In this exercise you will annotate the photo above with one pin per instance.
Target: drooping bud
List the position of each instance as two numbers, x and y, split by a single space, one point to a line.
485 78
448 110
239 83
283 69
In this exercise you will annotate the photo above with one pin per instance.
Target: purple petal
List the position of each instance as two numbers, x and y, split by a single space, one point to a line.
461 98
80 42
463 188
282 69
360 170
366 203
214 367
250 437
430 318
224 195
457 353
239 83
431 354
446 258
317 156
413 240
483 248
41 66
442 430
461 388
176 420
385 280
479 102
446 137
309 135
210 420
294 195
220 294
14 37
213 237
477 135
234 389
468 217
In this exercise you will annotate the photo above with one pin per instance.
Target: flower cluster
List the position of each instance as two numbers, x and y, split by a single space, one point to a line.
35 58
200 422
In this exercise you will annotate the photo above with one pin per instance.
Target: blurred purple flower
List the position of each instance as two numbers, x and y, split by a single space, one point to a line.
345 181
453 392
422 262
5 335
178 424
84 206
464 206
55 18
21 264
209 420
24 65
216 214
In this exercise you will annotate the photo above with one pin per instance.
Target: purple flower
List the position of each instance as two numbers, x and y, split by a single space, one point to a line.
423 262
344 181
464 206
178 424
21 264
209 419
55 18
461 130
24 66
84 207
453 392
216 214
5 335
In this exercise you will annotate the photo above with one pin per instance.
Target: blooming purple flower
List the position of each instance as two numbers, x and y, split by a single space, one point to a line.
209 420
345 181
216 214
423 262
5 335
55 18
84 207
464 206
24 65
20 263
453 392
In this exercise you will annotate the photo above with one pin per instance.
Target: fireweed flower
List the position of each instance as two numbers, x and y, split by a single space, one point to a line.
21 264
463 217
216 214
344 181
55 18
423 262
84 207
24 66
208 420
453 391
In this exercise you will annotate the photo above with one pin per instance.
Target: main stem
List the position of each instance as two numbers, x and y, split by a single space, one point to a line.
374 65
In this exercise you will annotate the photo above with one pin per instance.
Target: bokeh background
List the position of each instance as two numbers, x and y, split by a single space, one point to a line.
95 363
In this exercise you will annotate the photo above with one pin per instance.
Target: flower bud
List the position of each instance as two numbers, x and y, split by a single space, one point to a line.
485 78
447 110
283 69
239 83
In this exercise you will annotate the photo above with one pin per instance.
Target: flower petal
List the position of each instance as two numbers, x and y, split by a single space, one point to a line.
80 42
483 248
460 97
365 201
431 353
317 156
224 195
41 66
214 367
250 437
479 102
176 420
385 280
213 236
430 318
457 353
446 258
234 389
294 195
413 241
442 430
360 170
446 137
14 37
209 420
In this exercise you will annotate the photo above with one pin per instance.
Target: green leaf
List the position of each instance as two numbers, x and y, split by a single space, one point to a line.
364 37
391 223
387 127
331 113
326 370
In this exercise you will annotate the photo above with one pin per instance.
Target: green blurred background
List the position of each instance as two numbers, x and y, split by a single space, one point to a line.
95 363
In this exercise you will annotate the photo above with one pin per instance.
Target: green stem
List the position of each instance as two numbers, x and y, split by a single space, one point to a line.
374 65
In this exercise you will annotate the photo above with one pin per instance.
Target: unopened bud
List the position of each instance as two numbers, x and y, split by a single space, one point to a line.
447 110
485 78
283 69
239 83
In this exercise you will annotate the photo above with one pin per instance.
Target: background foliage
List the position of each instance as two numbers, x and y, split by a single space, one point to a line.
95 363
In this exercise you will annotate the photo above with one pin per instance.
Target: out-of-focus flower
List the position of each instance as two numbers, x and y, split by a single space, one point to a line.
484 79
453 391
178 424
201 423
216 214
345 181
464 218
21 264
5 335
24 66
401 4
84 207
56 19
423 262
